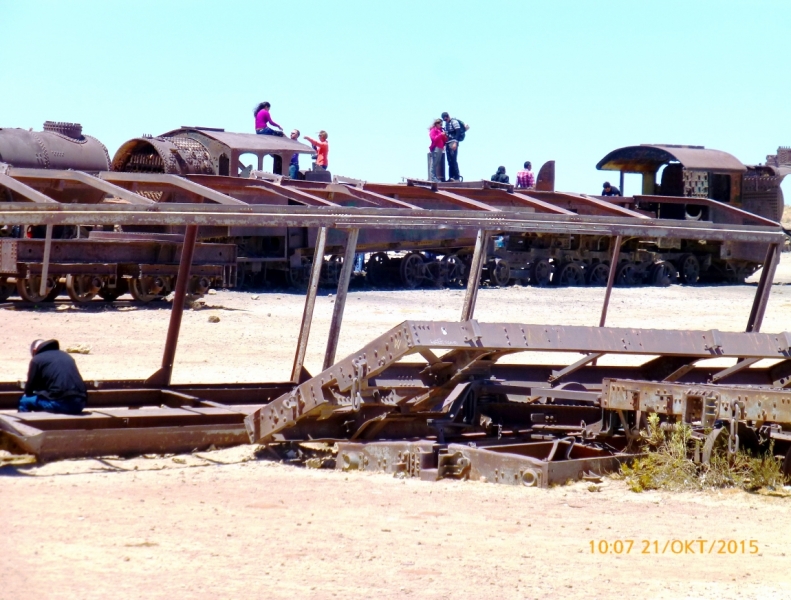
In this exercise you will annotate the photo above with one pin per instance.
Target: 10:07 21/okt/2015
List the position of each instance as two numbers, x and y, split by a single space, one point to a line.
698 546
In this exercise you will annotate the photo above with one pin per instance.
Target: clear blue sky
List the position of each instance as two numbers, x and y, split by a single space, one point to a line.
559 80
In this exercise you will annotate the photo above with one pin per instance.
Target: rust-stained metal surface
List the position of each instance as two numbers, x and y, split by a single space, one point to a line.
426 399
649 157
206 165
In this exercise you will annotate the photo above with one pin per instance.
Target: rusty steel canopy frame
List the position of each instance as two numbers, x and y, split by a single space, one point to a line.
456 412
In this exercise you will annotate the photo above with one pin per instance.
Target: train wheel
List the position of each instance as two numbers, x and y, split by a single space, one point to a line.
298 277
332 270
434 273
598 274
627 275
663 274
689 269
499 272
541 272
57 290
30 288
736 273
571 275
146 289
455 270
111 294
83 288
6 289
377 268
197 287
412 270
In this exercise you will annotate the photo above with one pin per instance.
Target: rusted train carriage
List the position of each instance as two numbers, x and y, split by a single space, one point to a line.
193 164
714 185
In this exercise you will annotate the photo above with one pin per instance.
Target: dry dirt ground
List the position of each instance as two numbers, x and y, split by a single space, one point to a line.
227 524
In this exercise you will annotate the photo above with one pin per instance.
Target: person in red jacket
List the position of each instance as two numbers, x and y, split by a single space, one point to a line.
322 148
437 147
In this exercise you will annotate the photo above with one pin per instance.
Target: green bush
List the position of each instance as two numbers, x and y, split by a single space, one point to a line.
666 464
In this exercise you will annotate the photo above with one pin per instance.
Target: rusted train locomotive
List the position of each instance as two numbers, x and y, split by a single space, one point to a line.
193 164
83 261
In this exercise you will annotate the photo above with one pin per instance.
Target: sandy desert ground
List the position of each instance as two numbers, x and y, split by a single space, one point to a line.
226 524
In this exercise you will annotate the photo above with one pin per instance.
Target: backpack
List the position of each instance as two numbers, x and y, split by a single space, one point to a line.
461 132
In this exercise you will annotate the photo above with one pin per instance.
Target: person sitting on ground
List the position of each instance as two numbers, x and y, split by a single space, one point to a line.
436 148
54 383
610 190
322 148
293 167
525 178
500 176
263 120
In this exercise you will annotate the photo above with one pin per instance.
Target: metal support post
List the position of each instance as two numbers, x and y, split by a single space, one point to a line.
474 276
162 376
764 289
45 265
622 186
310 303
340 298
616 252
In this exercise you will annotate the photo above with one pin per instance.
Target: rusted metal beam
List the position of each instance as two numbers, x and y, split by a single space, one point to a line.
295 194
24 190
472 345
461 200
608 206
739 366
163 375
172 181
527 199
474 276
340 298
585 360
736 213
310 303
616 252
764 288
374 218
45 262
364 194
81 177
705 403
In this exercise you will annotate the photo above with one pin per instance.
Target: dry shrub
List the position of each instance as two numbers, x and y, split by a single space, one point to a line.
666 464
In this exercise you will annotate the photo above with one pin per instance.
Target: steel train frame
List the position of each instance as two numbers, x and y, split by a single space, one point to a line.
455 413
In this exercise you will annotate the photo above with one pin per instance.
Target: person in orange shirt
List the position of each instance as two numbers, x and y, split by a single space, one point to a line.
322 148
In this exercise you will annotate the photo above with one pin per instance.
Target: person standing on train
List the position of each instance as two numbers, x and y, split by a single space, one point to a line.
322 148
293 167
436 148
455 129
263 120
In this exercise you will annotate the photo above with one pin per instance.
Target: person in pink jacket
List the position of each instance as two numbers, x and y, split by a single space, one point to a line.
263 120
437 147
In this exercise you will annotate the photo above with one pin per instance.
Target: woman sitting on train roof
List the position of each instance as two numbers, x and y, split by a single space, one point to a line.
500 176
263 120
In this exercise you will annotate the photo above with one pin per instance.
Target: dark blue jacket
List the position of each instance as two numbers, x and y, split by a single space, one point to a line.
53 374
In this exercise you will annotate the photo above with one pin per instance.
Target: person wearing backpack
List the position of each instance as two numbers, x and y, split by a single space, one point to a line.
455 129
